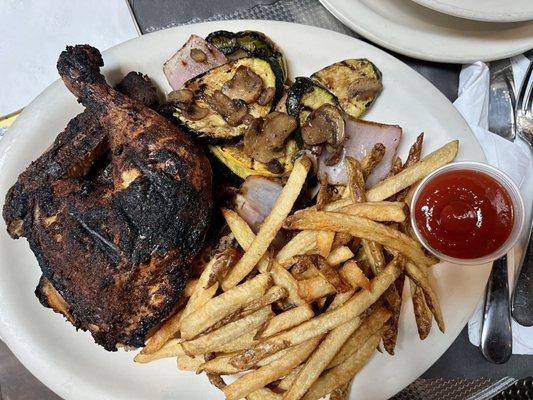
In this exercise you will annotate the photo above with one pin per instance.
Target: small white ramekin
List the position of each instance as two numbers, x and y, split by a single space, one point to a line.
505 181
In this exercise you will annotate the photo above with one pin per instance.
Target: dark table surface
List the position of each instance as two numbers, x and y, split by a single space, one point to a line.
461 360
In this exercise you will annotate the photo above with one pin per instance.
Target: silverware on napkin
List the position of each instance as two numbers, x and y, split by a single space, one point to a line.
496 333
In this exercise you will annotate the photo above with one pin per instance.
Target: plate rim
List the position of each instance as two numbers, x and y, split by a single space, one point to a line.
475 15
411 52
14 343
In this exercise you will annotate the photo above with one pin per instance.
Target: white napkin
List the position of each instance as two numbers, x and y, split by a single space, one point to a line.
34 32
513 158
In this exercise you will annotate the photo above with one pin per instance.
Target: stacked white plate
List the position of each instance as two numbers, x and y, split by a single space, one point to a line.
455 31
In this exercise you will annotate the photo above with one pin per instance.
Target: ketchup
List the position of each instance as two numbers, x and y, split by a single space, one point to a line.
464 214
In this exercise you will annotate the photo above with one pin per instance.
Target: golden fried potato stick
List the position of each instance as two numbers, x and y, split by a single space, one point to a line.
244 235
283 278
314 288
341 393
210 342
269 373
420 279
286 382
188 363
324 241
264 394
172 348
379 211
423 315
286 320
244 342
359 227
390 186
167 331
319 360
373 324
324 322
343 373
369 162
220 306
271 225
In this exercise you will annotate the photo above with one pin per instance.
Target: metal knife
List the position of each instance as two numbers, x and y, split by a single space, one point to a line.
496 332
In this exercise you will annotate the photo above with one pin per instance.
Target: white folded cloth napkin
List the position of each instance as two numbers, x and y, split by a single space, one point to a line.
515 159
34 32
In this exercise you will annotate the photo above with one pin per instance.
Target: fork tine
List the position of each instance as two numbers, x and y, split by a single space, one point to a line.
524 95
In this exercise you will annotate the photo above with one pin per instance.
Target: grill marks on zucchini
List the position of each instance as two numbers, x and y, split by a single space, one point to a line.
305 96
252 44
355 82
210 86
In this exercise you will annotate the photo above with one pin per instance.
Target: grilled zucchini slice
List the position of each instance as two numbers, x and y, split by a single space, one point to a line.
305 96
252 44
355 82
213 127
242 165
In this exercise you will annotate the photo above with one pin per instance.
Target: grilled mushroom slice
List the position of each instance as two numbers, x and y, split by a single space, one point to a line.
181 96
324 125
265 139
245 85
233 111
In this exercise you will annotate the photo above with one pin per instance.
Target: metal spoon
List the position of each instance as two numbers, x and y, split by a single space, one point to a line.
496 334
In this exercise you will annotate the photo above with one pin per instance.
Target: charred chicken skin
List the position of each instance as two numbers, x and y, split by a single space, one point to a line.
115 210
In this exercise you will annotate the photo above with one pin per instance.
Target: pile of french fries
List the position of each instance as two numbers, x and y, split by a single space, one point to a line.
300 322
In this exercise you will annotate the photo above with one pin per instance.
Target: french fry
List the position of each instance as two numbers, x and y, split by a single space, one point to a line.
324 322
241 343
264 394
213 340
216 380
300 244
330 274
380 211
423 315
219 365
371 325
414 173
373 158
244 235
341 240
360 227
202 294
224 261
188 363
190 287
339 255
324 241
320 359
166 332
172 348
414 156
341 393
271 225
263 376
356 180
354 275
431 297
317 287
322 197
286 382
343 373
286 320
283 278
218 307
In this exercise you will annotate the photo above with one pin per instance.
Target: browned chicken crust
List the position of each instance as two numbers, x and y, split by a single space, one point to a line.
115 210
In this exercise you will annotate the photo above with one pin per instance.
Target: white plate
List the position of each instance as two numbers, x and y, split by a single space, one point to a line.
74 367
484 10
416 31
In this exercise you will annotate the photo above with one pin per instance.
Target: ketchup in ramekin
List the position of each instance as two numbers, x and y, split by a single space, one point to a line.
467 212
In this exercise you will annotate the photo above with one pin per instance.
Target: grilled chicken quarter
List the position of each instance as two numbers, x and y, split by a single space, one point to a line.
115 210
